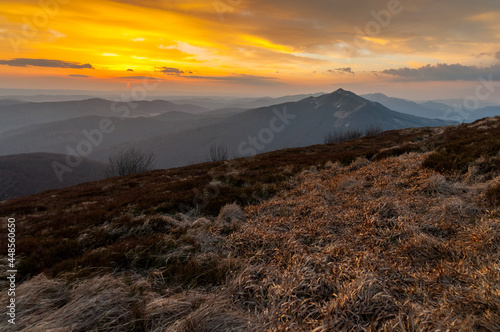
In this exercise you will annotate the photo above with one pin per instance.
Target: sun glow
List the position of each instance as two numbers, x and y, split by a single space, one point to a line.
192 41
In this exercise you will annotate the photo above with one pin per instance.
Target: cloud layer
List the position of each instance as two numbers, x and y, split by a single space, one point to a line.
445 72
26 62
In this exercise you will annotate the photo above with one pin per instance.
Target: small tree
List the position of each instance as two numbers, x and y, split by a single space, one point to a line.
130 161
218 152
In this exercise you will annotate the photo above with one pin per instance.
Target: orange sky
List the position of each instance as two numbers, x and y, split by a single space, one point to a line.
250 46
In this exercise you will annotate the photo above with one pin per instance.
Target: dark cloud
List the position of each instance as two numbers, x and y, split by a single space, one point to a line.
130 70
26 62
141 78
170 71
445 72
235 78
484 54
346 70
480 55
75 75
240 79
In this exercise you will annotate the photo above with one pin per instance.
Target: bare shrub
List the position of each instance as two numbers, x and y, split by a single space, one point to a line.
342 136
373 130
218 152
131 161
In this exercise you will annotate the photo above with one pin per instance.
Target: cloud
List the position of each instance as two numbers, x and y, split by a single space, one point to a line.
347 70
319 26
26 62
240 79
489 55
138 39
141 78
130 69
170 71
234 78
76 75
445 72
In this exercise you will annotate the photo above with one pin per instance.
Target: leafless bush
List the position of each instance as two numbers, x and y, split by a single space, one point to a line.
342 136
131 161
373 130
218 152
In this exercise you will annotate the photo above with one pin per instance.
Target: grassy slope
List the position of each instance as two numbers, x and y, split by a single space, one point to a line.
345 236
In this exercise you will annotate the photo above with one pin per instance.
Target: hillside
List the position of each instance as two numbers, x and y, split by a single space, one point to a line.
397 232
31 173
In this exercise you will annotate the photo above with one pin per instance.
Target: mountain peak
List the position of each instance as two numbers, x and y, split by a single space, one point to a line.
338 98
342 91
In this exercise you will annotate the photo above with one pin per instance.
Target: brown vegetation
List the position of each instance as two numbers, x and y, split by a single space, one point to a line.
358 235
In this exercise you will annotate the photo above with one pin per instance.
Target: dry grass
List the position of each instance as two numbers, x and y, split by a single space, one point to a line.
348 238
384 255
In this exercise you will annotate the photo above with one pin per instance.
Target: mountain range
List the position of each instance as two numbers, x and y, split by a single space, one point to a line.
453 110
182 134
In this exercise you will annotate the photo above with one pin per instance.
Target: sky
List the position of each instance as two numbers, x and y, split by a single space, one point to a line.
416 49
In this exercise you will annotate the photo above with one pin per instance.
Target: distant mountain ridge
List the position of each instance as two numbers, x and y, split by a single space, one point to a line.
435 110
179 138
292 124
24 114
409 107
